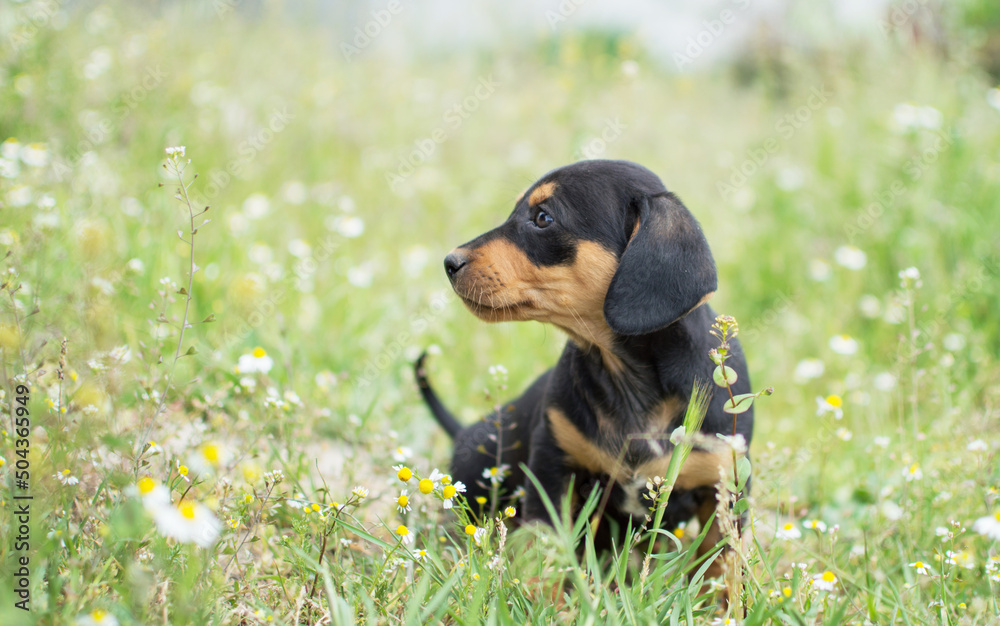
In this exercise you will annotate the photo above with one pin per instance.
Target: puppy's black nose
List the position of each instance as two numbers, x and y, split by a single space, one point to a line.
454 262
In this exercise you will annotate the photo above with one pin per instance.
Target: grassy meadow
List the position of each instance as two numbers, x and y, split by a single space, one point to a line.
249 471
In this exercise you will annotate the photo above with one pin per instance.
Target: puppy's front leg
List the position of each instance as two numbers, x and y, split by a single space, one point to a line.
547 463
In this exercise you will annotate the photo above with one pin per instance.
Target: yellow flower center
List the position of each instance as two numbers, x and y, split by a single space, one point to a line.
679 532
449 491
248 497
481 499
510 511
446 480
316 507
146 485
919 565
834 401
402 531
426 485
211 453
914 468
97 615
65 472
404 474
183 470
996 516
789 526
403 501
829 576
259 353
470 529
787 592
187 510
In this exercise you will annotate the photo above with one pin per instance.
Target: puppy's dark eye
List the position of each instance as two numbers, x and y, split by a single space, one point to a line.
542 219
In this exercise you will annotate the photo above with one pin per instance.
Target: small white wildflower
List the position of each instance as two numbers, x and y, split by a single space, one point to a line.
788 531
910 278
737 443
808 369
815 524
844 344
851 257
977 445
912 472
988 526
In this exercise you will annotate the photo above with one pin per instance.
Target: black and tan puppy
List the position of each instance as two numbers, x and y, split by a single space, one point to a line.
603 251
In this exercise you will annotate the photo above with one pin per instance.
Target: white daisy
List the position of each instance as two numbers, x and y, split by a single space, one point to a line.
737 443
814 524
989 526
496 474
921 567
910 277
912 472
977 445
851 257
808 369
207 458
788 531
188 522
403 502
256 361
350 226
825 581
884 381
450 491
97 617
830 404
154 495
66 477
843 344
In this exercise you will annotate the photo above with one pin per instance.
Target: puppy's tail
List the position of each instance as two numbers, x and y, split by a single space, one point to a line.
442 414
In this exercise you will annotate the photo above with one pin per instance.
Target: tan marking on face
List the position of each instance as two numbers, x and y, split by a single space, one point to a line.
582 452
500 284
541 193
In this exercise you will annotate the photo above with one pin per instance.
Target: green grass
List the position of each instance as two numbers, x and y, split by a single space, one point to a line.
343 314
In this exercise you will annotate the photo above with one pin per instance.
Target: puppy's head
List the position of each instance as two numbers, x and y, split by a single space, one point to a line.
597 248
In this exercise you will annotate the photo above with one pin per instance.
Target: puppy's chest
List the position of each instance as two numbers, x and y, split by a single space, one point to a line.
625 452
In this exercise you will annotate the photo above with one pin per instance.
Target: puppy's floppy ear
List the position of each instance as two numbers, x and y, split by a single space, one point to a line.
666 270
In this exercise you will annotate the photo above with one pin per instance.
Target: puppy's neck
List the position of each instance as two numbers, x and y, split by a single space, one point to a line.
632 365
